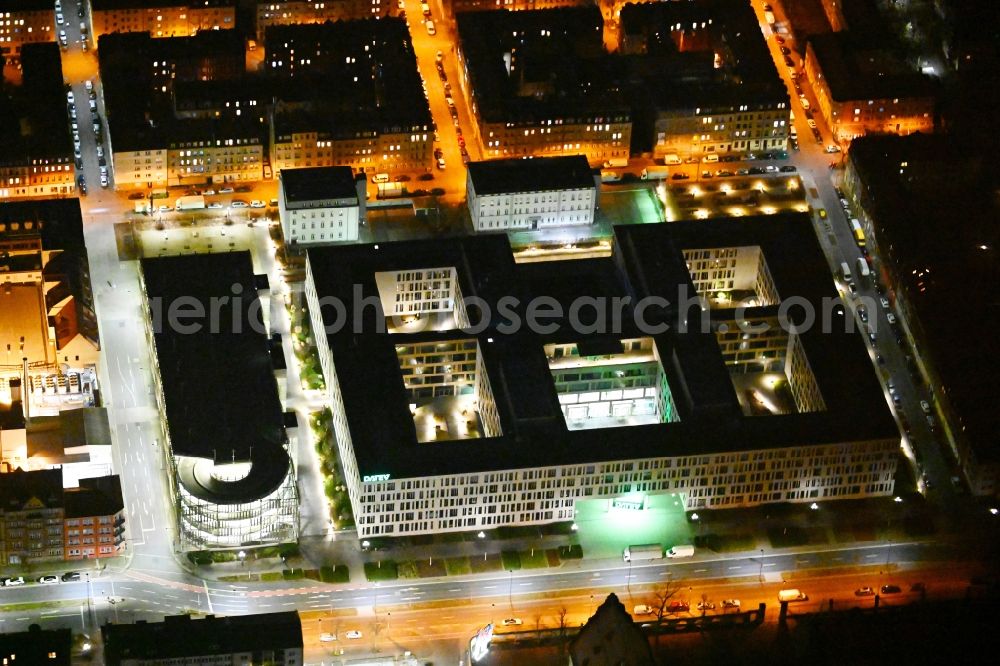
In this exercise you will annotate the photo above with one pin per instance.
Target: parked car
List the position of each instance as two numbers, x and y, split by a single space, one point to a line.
926 406
257 203
353 634
787 168
678 607
237 203
730 603
13 582
71 576
215 205
209 193
890 317
642 609
891 589
226 190
512 622
327 637
864 592
48 580
706 605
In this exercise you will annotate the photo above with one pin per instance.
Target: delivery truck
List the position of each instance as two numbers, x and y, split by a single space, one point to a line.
646 551
655 173
792 595
616 163
681 551
191 202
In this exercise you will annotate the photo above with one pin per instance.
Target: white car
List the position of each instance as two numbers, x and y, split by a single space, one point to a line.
327 637
62 37
430 28
924 405
89 85
104 180
884 301
731 603
59 18
13 582
257 203
48 580
891 317
354 635
69 96
164 208
215 205
226 190
238 204
440 163
209 193
512 622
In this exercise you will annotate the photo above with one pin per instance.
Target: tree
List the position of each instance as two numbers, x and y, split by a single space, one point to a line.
662 597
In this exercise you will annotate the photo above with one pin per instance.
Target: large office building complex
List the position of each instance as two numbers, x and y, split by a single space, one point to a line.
628 385
531 194
225 437
321 204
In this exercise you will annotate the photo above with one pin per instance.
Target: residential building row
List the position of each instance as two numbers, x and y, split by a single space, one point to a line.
37 155
925 259
41 521
161 18
507 423
25 22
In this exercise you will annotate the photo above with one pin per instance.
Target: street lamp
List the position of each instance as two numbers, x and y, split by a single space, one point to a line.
481 535
761 575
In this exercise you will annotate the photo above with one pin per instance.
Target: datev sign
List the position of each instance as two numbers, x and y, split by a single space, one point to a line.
479 646
375 477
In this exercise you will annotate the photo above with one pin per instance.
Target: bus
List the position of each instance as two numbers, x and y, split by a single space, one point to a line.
859 233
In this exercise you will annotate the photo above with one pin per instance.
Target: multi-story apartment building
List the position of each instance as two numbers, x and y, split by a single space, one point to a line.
265 638
298 12
40 521
321 205
152 143
539 83
924 258
36 159
863 88
52 647
709 77
519 420
162 18
457 6
231 474
531 194
355 99
25 22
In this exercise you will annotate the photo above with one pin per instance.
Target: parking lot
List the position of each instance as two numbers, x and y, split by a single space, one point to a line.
733 197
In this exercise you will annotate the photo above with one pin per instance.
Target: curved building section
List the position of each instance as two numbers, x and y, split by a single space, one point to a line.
232 476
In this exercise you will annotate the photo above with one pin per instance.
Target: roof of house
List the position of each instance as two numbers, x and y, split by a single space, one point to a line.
539 174
98 496
611 636
181 636
19 488
318 183
856 69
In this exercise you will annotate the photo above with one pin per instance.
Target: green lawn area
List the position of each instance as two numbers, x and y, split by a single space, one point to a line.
511 560
535 559
272 576
787 537
431 569
726 543
457 566
337 574
384 570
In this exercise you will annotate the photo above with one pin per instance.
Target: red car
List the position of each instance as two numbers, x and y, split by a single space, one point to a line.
678 607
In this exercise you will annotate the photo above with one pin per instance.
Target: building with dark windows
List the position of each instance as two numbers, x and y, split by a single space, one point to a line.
25 22
662 395
925 258
609 637
231 473
265 638
36 159
321 204
531 194
37 646
540 83
162 18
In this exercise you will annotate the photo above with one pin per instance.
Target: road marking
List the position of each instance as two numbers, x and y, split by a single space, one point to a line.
493 587
770 564
525 584
455 589
736 567
700 570
208 596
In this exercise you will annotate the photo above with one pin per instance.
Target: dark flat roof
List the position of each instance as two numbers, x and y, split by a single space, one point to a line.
181 636
219 386
37 646
33 121
28 5
140 4
98 496
647 262
318 183
540 174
